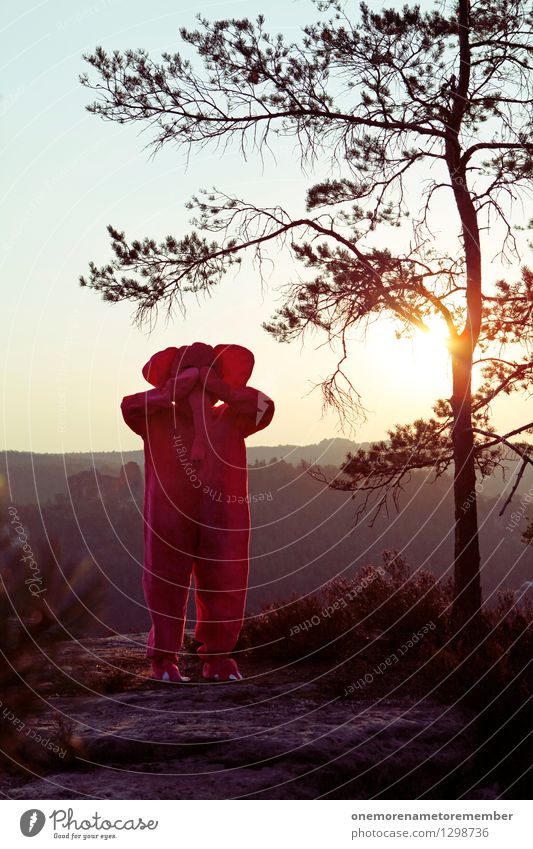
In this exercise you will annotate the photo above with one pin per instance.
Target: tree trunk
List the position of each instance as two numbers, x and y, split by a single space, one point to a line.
467 598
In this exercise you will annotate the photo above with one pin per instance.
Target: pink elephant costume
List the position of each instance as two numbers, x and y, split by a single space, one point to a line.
196 511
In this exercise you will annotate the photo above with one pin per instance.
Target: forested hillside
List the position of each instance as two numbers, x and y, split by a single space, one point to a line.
303 533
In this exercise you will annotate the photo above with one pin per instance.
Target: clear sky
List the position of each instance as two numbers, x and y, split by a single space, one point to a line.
68 357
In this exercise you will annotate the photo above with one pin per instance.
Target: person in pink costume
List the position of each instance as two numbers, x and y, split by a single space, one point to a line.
196 511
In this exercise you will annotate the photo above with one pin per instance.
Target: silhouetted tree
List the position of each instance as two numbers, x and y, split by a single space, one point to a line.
408 103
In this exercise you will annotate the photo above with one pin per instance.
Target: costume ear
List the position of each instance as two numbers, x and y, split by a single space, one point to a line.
158 368
233 364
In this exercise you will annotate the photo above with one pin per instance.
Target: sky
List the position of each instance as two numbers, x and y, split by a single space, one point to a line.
68 357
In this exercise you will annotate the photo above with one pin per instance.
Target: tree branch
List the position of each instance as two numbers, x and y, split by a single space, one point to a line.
498 440
516 484
469 152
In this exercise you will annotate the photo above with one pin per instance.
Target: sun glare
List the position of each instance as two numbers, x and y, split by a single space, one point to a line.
437 335
425 357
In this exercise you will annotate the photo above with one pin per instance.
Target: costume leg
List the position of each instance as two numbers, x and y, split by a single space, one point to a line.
166 581
220 599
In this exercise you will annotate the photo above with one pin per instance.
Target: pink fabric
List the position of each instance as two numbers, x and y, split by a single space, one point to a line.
196 512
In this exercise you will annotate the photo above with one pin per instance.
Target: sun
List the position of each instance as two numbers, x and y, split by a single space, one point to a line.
407 374
425 356
437 335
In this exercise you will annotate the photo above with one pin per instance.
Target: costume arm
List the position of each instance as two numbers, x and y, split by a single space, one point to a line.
137 408
253 409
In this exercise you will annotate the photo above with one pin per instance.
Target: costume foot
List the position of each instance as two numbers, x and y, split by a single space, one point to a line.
165 670
224 669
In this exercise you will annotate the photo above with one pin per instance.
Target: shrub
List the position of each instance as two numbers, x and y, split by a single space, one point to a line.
37 605
388 603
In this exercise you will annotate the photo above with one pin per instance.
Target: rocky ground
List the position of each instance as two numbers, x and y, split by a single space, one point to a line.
283 735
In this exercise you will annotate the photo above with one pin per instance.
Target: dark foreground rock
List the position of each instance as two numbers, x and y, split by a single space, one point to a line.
279 736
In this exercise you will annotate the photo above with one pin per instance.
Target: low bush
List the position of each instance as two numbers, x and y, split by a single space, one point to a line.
388 603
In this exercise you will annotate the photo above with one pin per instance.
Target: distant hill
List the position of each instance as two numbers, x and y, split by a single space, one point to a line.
36 478
328 452
33 478
303 533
